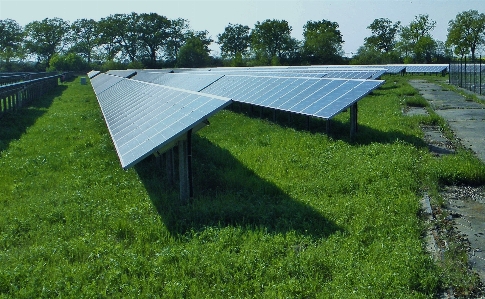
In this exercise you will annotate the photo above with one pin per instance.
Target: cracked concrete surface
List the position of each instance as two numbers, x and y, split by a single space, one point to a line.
465 204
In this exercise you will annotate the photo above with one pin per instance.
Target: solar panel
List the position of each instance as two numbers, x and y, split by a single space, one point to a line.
322 98
187 81
93 74
122 73
143 118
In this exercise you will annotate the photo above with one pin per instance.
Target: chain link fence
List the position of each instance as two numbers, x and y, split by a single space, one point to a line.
468 74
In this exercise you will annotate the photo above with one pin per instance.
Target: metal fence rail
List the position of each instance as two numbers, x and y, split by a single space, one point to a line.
14 96
468 74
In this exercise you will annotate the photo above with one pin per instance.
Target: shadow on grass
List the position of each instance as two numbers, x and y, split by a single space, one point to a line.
229 194
339 130
15 123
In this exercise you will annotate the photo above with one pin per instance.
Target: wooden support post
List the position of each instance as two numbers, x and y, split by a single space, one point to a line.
328 124
353 120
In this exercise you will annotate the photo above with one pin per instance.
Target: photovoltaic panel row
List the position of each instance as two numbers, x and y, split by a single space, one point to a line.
188 81
426 68
309 72
322 98
143 117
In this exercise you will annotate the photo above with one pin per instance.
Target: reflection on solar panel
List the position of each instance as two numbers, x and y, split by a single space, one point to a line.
142 118
122 73
323 98
93 74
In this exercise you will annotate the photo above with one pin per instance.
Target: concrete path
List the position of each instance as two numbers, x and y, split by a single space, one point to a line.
465 117
465 204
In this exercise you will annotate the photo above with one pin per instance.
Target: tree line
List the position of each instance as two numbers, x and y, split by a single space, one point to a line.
150 40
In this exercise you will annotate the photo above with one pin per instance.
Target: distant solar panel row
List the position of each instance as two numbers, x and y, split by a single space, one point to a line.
426 68
143 117
309 72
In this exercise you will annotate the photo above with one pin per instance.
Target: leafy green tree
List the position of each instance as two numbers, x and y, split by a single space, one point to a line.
271 41
384 34
85 38
153 30
127 34
194 53
68 62
416 42
322 42
11 37
46 38
107 31
466 32
370 55
178 34
234 41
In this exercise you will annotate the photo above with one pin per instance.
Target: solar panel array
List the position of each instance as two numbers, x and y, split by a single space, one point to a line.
143 118
147 110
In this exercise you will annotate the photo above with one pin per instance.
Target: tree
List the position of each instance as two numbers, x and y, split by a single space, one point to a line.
194 53
84 37
234 41
178 34
127 34
46 38
107 32
153 31
67 62
322 42
416 41
271 40
384 34
370 55
11 37
466 32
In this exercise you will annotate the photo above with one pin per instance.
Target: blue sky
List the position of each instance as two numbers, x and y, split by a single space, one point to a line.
353 16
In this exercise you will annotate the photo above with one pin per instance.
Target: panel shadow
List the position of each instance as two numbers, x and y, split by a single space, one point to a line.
227 193
338 129
15 123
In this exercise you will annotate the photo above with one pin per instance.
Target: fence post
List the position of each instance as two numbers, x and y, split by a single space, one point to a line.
461 72
480 74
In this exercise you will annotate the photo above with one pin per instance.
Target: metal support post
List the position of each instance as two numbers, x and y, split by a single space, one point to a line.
170 165
353 120
185 168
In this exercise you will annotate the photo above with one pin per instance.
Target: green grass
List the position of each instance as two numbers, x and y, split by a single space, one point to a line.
279 211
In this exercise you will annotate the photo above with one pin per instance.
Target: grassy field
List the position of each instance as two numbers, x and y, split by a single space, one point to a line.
279 211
